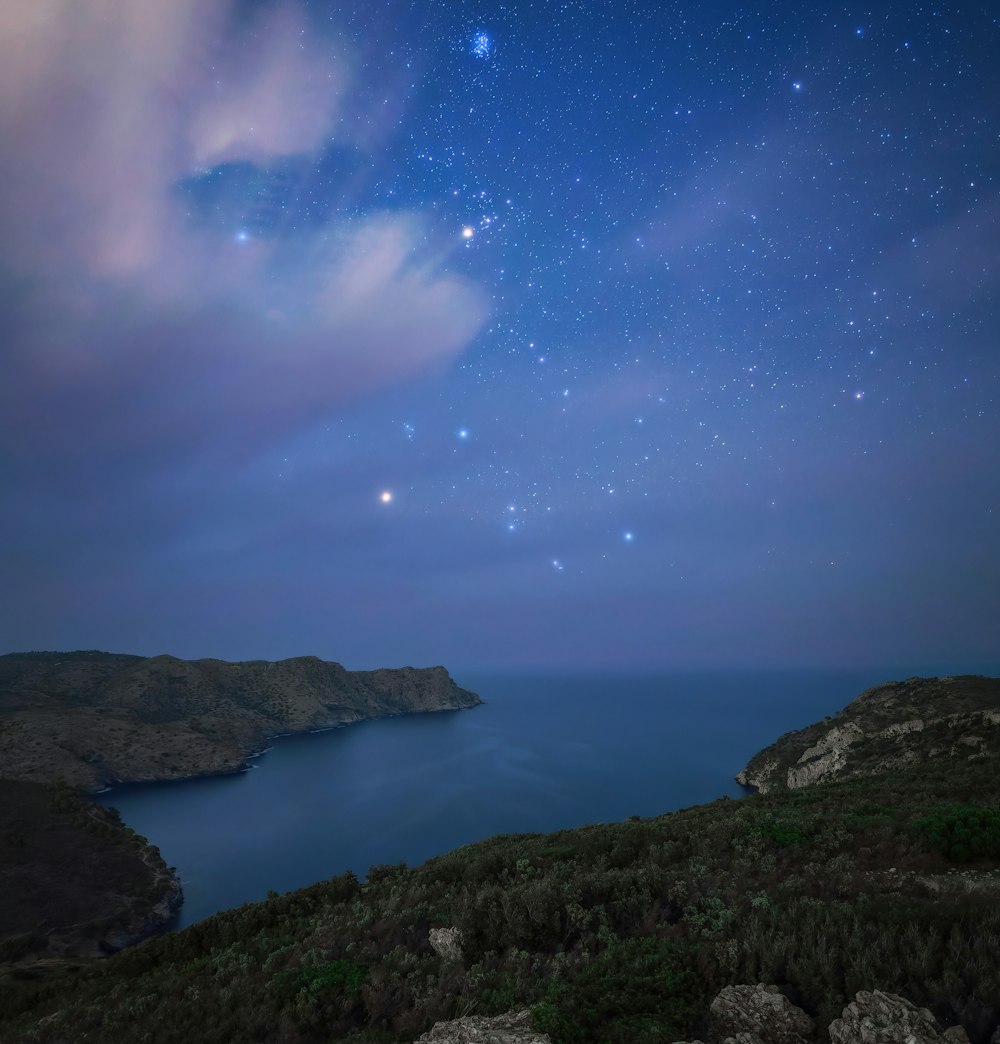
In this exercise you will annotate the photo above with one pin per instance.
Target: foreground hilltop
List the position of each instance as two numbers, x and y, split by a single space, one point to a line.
94 718
871 894
885 729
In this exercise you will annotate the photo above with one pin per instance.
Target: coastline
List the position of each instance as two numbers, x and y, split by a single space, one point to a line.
255 753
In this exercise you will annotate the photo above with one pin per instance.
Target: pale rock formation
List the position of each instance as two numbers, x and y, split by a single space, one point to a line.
512 1028
762 1015
759 776
901 728
446 943
752 1014
885 1018
827 757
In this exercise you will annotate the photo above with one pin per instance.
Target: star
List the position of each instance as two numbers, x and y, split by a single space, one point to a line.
385 496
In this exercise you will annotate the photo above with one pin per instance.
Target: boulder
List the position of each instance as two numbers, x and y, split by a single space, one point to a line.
752 1014
446 943
885 1018
512 1028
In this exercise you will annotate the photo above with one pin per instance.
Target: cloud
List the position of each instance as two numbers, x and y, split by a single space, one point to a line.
133 333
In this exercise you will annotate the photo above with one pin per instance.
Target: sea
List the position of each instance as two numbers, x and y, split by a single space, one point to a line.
543 753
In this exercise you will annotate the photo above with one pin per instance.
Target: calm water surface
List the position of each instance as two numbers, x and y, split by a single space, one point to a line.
540 755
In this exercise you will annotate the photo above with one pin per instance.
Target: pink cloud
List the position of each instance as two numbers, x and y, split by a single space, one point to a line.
157 332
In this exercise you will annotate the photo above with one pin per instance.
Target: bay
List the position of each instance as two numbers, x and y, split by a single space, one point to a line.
543 753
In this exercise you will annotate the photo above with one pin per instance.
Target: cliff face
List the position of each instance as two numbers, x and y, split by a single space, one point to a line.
94 718
885 728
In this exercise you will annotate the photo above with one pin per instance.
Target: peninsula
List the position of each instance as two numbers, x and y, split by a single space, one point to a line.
95 718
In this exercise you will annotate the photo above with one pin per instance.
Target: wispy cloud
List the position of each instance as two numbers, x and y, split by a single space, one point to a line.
131 330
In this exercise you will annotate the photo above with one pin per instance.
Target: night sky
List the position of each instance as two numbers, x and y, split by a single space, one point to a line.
527 334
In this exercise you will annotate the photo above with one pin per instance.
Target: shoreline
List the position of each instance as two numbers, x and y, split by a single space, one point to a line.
110 785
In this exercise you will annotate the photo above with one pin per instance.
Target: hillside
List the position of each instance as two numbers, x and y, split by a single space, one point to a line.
74 881
886 728
94 718
612 934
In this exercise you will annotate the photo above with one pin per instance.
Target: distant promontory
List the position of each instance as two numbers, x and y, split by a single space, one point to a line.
94 718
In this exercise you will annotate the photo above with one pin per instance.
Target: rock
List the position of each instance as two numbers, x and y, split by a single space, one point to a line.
446 943
902 728
512 1028
758 1015
885 1018
826 758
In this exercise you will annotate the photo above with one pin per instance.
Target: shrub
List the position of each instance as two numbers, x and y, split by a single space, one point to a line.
962 834
637 991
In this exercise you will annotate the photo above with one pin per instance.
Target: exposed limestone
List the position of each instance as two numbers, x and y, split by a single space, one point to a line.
446 943
884 729
759 1012
826 758
885 1018
512 1028
758 776
902 728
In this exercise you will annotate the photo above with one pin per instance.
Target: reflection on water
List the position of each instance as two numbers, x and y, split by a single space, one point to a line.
540 755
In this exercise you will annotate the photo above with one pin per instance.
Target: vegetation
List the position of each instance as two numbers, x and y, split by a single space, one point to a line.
616 932
96 718
964 834
72 875
886 728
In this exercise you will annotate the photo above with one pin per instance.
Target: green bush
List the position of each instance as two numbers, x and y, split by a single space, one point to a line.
637 991
340 977
782 833
963 834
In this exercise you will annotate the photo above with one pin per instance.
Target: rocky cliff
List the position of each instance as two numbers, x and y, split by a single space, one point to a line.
900 723
94 718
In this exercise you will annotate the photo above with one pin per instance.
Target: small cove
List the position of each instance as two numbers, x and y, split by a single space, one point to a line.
543 753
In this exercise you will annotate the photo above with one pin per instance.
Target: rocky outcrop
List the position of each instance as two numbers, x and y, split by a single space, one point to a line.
446 943
885 728
747 1014
512 1028
762 1015
826 758
885 1018
95 718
